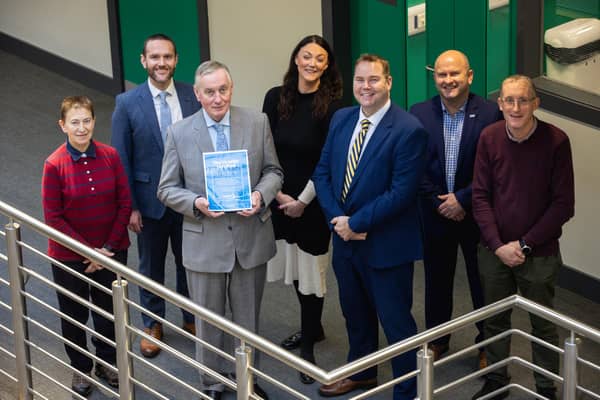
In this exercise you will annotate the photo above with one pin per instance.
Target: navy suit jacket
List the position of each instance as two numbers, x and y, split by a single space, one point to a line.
382 199
479 113
136 136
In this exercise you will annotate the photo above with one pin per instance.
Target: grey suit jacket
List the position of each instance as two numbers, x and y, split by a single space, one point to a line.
212 244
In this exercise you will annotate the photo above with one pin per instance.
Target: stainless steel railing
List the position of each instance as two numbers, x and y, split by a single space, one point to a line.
128 363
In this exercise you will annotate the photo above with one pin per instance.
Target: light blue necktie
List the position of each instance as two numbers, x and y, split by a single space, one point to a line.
221 138
165 115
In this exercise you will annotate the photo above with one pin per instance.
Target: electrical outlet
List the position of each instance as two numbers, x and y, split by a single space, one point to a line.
416 19
493 4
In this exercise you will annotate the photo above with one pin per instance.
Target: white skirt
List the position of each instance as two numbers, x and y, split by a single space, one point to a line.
291 263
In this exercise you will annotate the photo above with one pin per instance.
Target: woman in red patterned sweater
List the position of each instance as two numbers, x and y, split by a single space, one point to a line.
85 195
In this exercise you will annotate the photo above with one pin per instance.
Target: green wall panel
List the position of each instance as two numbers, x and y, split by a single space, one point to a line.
498 54
380 28
440 33
470 26
142 18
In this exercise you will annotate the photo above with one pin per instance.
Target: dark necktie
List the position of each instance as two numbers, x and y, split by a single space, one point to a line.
354 156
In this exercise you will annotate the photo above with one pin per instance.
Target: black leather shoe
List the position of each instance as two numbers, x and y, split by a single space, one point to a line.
213 394
110 376
489 386
306 379
293 341
80 385
260 392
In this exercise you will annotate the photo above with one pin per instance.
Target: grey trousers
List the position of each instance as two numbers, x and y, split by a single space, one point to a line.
536 280
242 291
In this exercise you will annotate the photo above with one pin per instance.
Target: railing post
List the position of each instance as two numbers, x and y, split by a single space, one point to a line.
124 364
19 309
243 360
425 377
570 368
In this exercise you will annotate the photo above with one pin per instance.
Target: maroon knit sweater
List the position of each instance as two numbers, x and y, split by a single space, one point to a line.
87 199
523 190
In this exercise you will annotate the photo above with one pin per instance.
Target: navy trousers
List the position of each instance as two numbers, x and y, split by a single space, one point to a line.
440 255
368 295
153 242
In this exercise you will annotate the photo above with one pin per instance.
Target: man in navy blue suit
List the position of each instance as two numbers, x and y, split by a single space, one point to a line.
139 126
453 119
367 183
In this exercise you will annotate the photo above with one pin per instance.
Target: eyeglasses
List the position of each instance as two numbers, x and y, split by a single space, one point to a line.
521 101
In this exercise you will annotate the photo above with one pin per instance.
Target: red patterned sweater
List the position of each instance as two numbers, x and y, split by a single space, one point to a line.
86 197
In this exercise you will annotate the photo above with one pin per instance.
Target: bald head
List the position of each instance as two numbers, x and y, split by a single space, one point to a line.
453 77
453 56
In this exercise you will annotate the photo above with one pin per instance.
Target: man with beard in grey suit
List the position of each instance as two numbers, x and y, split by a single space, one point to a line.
225 254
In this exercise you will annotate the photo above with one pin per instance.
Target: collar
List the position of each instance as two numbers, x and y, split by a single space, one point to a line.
155 91
210 122
514 139
376 117
76 154
460 109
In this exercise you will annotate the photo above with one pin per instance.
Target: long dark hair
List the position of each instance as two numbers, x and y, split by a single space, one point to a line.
330 85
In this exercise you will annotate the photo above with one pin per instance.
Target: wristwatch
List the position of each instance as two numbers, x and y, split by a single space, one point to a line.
524 247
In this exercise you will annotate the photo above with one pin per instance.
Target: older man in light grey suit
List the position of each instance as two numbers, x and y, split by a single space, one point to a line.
224 254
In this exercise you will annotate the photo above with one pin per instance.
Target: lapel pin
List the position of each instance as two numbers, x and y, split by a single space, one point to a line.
472 115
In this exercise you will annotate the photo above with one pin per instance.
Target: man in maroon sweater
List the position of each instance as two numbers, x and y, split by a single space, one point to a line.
523 193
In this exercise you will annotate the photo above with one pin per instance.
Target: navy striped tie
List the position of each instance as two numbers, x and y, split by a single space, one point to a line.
354 156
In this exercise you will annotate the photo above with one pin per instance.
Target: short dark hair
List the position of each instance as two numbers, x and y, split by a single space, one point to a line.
374 58
70 102
158 36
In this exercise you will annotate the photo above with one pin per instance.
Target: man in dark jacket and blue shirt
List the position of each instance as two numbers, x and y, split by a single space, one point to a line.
454 120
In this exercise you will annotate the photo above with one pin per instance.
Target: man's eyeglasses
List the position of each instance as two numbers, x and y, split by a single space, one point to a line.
521 101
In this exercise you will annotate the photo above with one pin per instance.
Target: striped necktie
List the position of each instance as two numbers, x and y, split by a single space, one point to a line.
354 156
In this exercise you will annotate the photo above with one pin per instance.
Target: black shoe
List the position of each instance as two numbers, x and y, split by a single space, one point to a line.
549 392
260 392
81 385
213 394
306 379
490 386
111 377
293 341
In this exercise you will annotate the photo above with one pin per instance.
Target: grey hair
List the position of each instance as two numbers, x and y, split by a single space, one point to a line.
523 78
208 67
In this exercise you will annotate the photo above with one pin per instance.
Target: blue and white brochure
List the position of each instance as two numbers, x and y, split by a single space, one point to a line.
227 180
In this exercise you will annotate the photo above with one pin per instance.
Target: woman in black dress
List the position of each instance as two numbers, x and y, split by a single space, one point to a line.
299 112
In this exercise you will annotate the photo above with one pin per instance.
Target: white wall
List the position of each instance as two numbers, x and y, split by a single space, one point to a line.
579 243
72 29
255 39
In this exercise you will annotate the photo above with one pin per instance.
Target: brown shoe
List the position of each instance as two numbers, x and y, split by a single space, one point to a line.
438 350
482 360
147 348
345 386
189 327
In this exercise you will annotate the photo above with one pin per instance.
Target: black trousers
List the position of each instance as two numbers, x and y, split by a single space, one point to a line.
81 313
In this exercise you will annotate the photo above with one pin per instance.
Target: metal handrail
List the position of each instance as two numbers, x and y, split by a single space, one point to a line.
265 346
